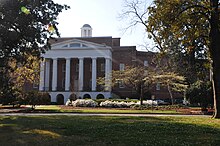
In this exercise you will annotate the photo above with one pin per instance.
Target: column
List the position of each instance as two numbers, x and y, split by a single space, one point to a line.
94 74
47 74
54 78
81 73
107 74
41 85
67 79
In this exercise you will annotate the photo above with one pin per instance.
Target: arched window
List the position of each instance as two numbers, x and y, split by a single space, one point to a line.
60 99
100 96
86 96
73 97
73 45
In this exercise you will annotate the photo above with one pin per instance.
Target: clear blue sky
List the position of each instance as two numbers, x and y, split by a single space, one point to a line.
102 15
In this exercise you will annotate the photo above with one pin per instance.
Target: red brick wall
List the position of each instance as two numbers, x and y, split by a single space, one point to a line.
87 74
60 74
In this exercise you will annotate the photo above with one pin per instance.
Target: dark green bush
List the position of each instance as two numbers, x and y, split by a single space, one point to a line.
34 98
200 93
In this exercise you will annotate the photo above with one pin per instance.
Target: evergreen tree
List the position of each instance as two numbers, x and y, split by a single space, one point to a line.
25 28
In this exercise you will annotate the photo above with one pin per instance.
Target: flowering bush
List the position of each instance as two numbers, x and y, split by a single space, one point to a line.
116 104
123 104
84 103
109 103
68 103
148 102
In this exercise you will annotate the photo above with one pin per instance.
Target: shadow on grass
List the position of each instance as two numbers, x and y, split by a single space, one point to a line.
70 130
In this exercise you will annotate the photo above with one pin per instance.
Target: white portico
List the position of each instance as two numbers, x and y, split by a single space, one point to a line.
73 66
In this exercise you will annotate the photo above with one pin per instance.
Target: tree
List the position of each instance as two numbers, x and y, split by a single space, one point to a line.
26 74
185 63
172 81
188 54
25 26
136 78
200 93
142 80
185 27
195 24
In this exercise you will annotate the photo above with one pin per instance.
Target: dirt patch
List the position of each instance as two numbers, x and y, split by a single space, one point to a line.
11 109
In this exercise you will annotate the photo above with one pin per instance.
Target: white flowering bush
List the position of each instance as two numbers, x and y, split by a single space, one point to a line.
109 103
84 103
148 102
116 104
123 104
68 103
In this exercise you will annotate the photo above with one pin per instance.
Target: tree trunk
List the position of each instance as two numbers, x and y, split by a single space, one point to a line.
215 55
141 97
170 92
216 86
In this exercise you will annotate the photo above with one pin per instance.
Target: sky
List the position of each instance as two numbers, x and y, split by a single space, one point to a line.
103 16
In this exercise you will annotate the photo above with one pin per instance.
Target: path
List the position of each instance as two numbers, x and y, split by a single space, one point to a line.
92 114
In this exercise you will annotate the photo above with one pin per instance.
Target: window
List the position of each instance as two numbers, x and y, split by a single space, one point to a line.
102 67
90 83
77 67
63 83
146 63
158 86
63 74
65 46
121 84
76 77
90 67
63 68
35 85
145 72
75 45
121 67
84 45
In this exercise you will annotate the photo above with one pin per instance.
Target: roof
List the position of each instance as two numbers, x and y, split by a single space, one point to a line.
99 40
87 25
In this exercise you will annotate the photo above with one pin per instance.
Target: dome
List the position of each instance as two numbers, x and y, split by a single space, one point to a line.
87 25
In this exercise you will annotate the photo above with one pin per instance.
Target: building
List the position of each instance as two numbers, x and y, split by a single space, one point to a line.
72 66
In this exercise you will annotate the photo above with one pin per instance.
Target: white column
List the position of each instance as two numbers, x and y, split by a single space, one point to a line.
81 73
54 78
67 79
107 74
94 74
110 76
47 74
41 85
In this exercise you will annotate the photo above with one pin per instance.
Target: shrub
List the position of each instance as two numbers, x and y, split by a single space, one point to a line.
34 98
200 93
138 106
116 104
127 103
44 98
84 103
69 102
73 97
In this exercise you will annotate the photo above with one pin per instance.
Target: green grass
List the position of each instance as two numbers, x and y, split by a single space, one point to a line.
55 108
117 131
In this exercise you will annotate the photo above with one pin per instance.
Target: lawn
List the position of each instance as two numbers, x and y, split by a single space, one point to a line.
61 109
117 131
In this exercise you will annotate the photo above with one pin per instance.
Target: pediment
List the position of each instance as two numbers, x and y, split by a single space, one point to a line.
77 44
